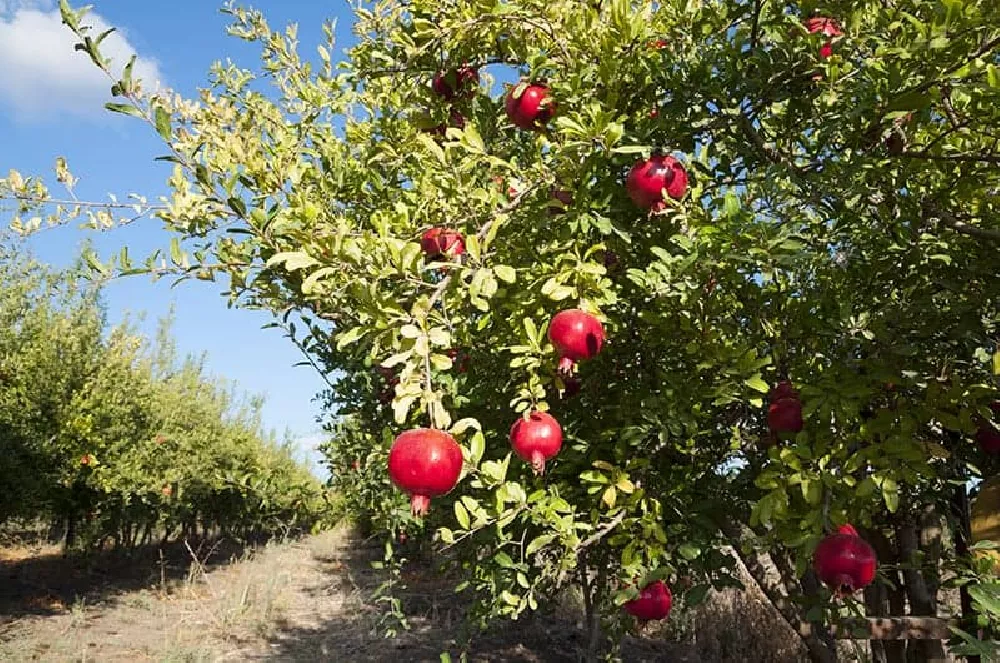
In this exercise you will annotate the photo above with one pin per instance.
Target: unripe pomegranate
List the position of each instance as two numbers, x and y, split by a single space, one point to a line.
784 414
844 561
828 27
532 108
648 179
425 463
653 602
458 82
536 439
988 435
438 243
576 335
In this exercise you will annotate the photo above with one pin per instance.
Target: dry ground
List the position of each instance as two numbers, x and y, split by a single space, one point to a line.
303 601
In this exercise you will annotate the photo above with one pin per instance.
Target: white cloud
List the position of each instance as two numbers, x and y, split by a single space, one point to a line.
41 75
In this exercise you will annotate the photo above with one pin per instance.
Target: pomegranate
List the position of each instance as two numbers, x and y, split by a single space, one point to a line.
658 44
536 439
653 602
456 120
571 387
845 561
532 108
647 180
458 82
560 200
577 335
439 243
988 435
828 27
425 463
784 414
459 358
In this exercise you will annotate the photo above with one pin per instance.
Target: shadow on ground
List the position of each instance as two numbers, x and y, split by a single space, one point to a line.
48 584
437 621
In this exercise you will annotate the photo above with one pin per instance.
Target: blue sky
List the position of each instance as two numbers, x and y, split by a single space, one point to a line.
51 104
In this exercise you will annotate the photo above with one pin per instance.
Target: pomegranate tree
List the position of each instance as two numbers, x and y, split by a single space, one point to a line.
576 335
536 439
530 106
784 414
649 179
844 561
654 602
425 463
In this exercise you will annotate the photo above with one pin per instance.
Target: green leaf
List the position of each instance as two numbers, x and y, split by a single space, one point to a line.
757 384
696 595
987 595
349 337
538 543
462 515
162 121
890 493
293 260
124 109
812 491
505 273
689 551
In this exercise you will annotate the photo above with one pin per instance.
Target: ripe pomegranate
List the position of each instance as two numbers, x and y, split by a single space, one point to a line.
784 414
988 434
658 44
85 460
439 243
460 359
654 112
647 180
456 120
536 439
572 386
828 27
356 465
167 491
458 82
532 108
845 561
653 602
577 335
425 463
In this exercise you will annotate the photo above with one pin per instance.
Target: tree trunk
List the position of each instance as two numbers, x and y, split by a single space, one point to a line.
821 646
923 601
963 537
885 601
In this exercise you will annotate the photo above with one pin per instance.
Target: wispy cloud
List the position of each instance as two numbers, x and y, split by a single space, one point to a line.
42 76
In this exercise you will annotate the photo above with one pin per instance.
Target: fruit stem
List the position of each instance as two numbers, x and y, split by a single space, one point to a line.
419 505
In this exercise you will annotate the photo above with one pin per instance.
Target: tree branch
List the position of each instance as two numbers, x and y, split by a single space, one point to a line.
931 210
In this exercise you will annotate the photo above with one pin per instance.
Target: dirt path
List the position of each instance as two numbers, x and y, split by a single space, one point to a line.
302 601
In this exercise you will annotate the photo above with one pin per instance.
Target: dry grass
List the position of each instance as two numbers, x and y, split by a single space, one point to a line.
310 601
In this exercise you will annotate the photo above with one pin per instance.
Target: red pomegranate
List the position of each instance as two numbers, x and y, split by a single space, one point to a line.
425 463
653 602
438 243
456 120
532 108
571 386
828 27
459 358
536 439
845 561
457 82
658 44
577 335
784 414
988 434
560 200
647 180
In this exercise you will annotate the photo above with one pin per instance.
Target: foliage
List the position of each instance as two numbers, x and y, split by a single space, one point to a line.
111 436
840 231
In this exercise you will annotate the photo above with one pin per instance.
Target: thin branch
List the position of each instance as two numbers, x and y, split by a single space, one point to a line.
956 224
960 158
